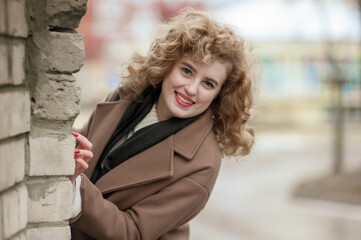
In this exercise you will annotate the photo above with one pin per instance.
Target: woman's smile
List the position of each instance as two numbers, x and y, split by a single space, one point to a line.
183 100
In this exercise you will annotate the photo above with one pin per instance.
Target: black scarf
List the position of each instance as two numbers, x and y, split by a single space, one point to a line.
140 140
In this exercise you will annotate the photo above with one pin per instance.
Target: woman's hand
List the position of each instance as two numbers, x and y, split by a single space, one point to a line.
82 155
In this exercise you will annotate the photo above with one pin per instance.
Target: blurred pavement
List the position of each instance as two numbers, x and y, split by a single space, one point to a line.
253 200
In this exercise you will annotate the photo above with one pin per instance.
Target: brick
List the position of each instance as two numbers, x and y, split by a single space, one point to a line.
10 213
46 233
12 164
15 113
50 200
51 155
56 52
12 18
4 63
3 16
18 63
1 219
57 98
14 210
17 20
67 52
12 61
21 236
65 13
23 206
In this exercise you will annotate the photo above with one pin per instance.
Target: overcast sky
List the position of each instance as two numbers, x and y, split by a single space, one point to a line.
292 20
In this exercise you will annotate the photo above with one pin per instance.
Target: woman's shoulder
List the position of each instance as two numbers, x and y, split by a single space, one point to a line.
207 163
210 151
117 94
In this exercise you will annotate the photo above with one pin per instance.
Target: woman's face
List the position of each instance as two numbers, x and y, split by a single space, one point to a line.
190 88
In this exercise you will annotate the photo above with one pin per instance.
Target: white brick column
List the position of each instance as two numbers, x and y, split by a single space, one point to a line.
39 100
14 120
54 52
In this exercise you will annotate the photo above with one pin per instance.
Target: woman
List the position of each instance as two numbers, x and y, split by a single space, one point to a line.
156 142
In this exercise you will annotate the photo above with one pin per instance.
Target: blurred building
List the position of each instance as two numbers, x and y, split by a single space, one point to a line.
298 43
304 47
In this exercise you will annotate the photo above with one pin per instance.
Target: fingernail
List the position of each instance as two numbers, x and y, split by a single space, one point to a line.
75 135
77 151
75 157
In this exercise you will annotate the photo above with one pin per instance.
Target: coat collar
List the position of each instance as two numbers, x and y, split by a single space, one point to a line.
154 163
188 140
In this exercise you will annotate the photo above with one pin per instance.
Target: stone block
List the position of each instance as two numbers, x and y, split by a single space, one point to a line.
46 233
56 52
12 164
65 13
1 220
50 200
67 52
56 97
12 58
51 155
3 18
4 62
13 18
23 206
18 63
21 236
14 210
15 113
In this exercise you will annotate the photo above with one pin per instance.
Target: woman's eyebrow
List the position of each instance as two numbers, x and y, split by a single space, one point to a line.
190 66
212 80
195 71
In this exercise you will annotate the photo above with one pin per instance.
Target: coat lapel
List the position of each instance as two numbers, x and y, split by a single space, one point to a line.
153 164
188 140
105 120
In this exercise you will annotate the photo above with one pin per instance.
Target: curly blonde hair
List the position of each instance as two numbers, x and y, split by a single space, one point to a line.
196 33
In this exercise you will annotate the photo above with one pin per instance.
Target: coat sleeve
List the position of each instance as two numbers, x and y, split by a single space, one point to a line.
148 219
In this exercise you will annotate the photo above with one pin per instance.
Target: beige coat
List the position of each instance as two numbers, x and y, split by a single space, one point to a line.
153 194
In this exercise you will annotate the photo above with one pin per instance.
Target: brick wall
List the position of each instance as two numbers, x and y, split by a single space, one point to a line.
39 100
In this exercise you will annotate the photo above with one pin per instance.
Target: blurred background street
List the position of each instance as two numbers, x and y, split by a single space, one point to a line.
302 181
254 198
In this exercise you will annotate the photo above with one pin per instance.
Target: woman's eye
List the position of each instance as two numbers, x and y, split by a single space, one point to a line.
209 84
186 71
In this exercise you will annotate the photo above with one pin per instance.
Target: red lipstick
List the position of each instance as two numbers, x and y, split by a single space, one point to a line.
176 93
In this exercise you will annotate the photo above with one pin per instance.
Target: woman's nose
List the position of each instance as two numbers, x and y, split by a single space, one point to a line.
191 88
